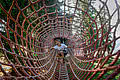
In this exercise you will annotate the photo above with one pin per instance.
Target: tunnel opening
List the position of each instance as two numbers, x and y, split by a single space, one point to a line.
62 40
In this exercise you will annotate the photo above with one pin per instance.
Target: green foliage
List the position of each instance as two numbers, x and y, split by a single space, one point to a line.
98 72
20 60
0 10
35 54
92 29
14 13
1 53
6 5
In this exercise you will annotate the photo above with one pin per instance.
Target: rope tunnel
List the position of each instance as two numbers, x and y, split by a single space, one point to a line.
28 29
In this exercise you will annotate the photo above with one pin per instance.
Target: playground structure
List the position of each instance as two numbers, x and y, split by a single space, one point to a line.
91 32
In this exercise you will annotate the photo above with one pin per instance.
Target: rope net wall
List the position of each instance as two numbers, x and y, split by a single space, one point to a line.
89 26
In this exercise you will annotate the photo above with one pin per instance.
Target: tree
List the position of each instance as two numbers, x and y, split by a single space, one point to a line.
6 4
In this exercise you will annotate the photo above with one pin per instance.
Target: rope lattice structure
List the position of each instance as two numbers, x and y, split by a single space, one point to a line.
90 27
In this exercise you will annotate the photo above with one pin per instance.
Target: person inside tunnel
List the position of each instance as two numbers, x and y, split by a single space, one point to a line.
61 47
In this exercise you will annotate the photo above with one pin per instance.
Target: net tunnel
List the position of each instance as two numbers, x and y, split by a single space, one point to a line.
90 27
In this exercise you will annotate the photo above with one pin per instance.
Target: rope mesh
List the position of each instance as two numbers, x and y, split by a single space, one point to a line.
90 27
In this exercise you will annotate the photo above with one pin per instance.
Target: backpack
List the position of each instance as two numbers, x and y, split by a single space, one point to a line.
65 50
